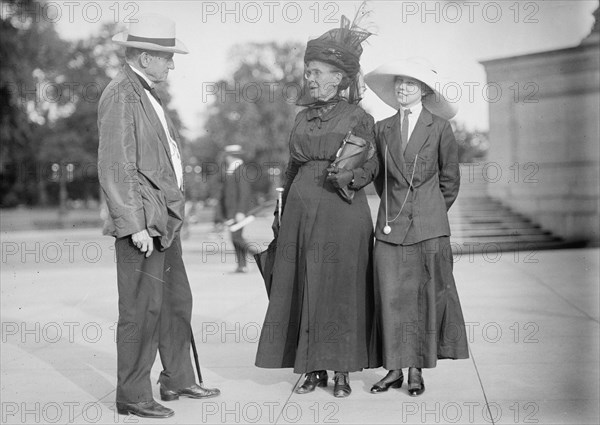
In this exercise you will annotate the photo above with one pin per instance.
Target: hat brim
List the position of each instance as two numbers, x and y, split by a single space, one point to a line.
121 39
382 81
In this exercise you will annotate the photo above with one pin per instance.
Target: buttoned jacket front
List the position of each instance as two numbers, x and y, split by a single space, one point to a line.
430 162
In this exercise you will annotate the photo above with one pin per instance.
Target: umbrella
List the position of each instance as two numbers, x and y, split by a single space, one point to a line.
265 261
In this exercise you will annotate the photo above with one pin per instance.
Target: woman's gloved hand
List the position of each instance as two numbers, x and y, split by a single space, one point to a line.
339 177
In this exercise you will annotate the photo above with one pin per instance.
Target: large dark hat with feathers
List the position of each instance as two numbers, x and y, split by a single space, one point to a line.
342 47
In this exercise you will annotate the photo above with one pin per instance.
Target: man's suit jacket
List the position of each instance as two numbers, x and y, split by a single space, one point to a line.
134 163
236 193
435 183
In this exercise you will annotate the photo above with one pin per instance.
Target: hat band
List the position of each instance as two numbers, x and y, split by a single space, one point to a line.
166 42
333 54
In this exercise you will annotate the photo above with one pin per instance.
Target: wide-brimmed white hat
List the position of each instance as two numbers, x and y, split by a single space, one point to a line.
381 81
151 32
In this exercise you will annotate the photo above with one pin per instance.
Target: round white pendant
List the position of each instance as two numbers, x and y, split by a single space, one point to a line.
387 230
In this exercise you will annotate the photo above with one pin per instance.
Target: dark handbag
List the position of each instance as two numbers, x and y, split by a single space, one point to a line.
353 153
265 261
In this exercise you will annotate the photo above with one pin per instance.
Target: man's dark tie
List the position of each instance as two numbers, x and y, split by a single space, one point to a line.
152 90
404 129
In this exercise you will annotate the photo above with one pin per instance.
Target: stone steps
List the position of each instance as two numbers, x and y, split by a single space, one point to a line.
480 223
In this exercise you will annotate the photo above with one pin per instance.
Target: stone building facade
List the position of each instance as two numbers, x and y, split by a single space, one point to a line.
544 156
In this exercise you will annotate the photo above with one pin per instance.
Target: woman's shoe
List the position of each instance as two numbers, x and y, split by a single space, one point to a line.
382 386
342 385
314 379
416 385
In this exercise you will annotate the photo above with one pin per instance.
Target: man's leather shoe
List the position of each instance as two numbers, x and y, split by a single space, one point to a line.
145 409
314 379
416 384
195 391
342 385
383 385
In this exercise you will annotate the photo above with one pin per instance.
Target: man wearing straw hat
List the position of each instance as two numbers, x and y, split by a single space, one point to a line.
139 167
419 313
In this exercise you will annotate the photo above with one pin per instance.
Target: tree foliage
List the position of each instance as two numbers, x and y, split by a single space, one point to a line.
32 54
472 145
49 93
254 108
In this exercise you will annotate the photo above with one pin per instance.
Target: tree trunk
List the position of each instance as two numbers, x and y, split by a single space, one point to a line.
41 190
62 198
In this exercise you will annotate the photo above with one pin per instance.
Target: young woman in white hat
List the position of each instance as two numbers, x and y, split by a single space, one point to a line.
419 317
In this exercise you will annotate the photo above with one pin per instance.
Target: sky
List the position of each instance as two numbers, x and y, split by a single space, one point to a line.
453 35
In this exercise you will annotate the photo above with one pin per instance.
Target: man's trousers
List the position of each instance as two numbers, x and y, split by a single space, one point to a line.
241 247
155 310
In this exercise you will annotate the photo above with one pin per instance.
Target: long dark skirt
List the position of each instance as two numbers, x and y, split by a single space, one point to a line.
419 317
320 314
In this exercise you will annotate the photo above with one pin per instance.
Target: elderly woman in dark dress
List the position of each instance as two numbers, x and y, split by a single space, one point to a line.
321 302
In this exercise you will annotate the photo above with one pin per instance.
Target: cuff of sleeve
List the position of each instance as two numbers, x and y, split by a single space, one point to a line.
129 224
356 175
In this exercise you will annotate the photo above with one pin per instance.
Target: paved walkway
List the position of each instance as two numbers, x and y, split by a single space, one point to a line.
532 318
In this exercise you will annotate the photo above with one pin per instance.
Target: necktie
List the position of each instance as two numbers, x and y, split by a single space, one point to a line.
404 130
152 90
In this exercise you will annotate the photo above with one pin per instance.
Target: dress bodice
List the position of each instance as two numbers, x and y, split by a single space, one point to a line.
318 138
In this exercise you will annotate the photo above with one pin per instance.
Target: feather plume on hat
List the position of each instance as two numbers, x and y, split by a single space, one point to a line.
342 48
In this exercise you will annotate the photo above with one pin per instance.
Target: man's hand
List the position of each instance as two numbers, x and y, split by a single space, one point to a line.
239 217
143 242
339 177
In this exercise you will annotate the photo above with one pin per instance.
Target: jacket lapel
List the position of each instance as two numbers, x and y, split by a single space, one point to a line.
176 138
391 138
150 111
174 132
419 135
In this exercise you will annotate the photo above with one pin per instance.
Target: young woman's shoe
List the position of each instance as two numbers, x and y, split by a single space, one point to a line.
383 385
416 384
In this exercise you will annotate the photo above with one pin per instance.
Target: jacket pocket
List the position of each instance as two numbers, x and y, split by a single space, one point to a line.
155 210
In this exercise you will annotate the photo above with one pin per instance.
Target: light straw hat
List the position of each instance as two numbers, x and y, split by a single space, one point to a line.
151 32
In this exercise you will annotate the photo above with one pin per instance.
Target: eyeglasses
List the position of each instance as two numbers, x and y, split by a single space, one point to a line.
315 72
165 58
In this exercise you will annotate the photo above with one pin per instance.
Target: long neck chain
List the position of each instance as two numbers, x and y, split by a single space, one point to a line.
387 228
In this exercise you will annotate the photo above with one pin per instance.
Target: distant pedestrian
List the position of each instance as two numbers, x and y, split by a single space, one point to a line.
236 200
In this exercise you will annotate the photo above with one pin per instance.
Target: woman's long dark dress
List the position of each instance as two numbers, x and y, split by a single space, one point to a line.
320 313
